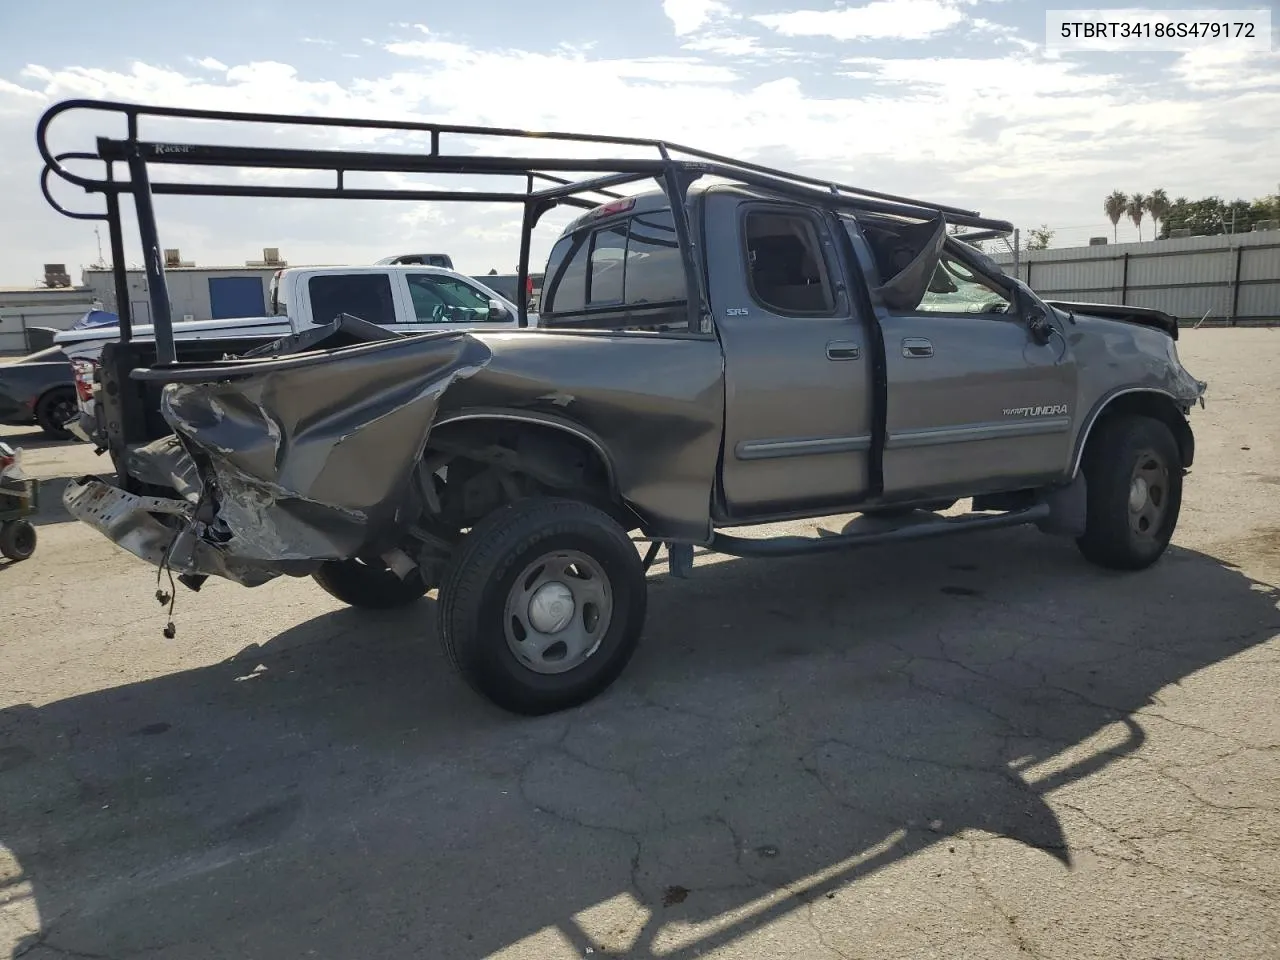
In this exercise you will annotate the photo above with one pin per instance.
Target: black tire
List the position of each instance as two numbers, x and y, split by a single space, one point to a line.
1115 536
482 575
369 587
54 409
17 540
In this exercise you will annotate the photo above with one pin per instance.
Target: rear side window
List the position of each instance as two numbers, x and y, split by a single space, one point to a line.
635 262
363 295
785 266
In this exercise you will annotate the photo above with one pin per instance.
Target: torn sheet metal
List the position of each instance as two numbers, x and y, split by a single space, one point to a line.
282 463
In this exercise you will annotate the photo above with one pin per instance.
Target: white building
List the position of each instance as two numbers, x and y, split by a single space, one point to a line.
195 292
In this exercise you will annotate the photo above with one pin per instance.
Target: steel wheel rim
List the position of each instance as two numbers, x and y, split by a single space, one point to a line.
557 612
1148 495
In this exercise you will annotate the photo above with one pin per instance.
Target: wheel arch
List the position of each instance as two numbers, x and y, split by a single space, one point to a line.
1139 401
546 447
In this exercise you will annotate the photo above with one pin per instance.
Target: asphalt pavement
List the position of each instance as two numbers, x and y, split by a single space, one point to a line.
974 748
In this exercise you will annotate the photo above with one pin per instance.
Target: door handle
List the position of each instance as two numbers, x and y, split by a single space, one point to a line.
914 347
843 350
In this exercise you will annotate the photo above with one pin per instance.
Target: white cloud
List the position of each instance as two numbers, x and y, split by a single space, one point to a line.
687 16
1026 137
210 63
1225 68
320 42
878 20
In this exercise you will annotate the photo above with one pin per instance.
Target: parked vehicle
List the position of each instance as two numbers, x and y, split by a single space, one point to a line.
709 356
19 499
39 389
419 259
398 298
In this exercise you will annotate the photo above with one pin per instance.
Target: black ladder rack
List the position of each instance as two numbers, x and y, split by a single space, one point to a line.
675 167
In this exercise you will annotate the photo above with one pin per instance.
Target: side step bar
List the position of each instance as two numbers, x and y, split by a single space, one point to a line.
797 546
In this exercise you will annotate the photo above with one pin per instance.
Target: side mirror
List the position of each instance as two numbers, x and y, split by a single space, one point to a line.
1033 315
497 312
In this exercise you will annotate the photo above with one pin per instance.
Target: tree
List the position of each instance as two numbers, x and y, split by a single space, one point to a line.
1135 208
1158 206
1040 238
1114 206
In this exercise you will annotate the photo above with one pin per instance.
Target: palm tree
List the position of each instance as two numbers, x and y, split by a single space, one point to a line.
1114 206
1158 206
1136 207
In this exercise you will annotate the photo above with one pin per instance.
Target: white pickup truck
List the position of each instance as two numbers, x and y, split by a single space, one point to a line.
403 298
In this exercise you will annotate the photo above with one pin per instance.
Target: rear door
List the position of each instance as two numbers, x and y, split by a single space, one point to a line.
367 295
798 400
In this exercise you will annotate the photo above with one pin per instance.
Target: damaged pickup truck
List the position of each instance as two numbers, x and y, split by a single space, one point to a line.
732 347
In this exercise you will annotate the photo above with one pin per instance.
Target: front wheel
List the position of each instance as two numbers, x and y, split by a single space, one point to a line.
543 605
1133 478
17 539
371 587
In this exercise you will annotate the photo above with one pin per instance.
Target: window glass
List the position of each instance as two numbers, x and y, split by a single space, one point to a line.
655 272
787 272
566 277
608 256
440 299
363 295
957 289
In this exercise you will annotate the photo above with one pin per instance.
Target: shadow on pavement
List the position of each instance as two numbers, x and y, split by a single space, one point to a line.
797 723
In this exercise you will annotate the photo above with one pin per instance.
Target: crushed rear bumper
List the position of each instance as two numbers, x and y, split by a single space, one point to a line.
166 533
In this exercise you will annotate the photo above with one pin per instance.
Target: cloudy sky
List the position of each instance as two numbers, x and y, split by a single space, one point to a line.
956 101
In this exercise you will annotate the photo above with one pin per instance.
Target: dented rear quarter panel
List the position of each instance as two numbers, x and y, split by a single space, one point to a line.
314 454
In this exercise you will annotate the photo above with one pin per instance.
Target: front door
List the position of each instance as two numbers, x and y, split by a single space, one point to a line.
975 403
798 377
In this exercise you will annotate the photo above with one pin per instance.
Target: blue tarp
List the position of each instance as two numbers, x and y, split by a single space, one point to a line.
96 318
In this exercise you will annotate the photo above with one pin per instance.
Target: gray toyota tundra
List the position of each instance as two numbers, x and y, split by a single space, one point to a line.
738 346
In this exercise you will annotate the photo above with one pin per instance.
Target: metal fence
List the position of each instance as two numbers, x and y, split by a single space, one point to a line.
1224 280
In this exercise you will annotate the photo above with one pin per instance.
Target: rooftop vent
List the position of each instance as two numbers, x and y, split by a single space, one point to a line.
1179 232
1097 241
55 275
173 258
270 258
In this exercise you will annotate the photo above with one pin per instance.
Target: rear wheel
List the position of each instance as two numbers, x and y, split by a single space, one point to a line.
369 586
543 604
54 409
1133 475
17 539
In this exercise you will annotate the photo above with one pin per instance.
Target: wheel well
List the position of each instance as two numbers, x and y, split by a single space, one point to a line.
1147 403
508 458
57 388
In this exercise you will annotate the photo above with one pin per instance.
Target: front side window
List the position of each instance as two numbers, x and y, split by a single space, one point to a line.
957 289
441 299
366 296
785 266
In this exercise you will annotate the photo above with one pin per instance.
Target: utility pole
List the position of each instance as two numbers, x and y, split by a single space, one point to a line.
1017 244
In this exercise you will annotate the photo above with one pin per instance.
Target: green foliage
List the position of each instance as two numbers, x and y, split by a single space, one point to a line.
1212 216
